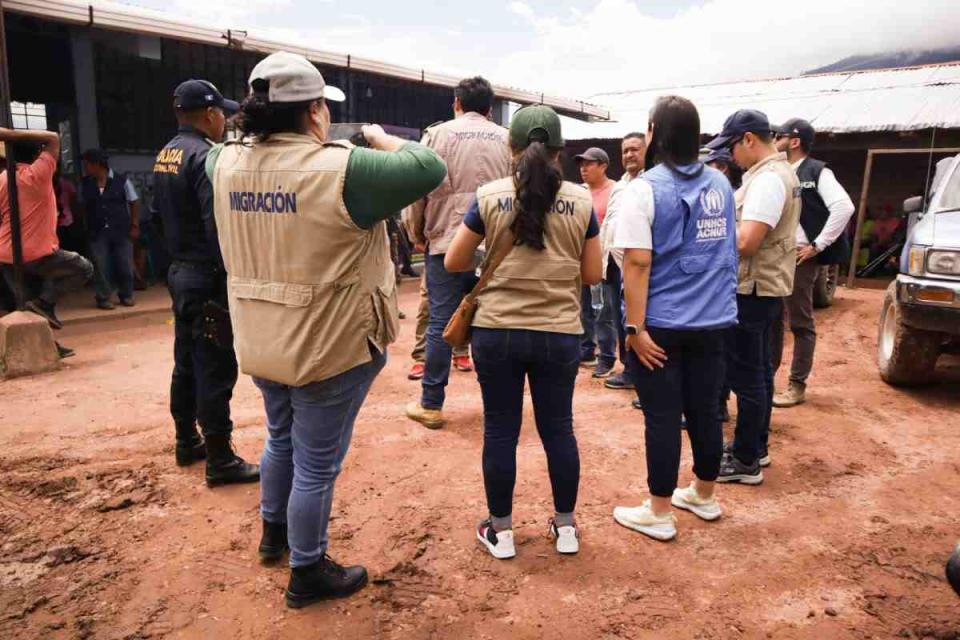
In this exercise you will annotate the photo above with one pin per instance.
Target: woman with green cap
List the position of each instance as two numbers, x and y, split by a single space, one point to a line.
527 324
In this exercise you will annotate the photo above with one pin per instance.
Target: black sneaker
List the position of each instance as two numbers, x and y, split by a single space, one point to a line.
64 352
105 305
732 470
128 302
322 581
273 542
588 362
603 370
637 405
764 458
45 311
619 381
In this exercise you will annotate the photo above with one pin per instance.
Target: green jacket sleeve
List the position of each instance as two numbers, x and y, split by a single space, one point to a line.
379 184
211 162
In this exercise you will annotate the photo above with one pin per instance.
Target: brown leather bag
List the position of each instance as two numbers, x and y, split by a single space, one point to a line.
457 332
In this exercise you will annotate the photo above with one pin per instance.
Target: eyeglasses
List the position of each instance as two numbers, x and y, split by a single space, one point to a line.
734 143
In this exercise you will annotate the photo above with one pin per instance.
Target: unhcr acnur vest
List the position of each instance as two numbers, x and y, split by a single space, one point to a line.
769 273
309 290
693 277
535 290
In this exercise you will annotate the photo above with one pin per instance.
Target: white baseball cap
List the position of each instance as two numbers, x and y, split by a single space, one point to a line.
293 78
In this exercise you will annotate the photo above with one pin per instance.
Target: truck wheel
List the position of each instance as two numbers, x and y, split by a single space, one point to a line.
906 356
826 286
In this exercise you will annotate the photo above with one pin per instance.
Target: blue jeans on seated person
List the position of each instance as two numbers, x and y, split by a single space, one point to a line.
309 432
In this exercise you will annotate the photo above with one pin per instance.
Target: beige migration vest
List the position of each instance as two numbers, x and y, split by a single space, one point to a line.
535 290
309 290
770 272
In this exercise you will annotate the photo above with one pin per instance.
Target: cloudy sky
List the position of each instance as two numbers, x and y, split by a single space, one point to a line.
578 48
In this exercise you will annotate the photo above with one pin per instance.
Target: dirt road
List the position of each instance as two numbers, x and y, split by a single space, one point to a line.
102 536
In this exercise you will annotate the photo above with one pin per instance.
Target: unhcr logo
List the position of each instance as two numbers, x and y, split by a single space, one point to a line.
712 202
263 201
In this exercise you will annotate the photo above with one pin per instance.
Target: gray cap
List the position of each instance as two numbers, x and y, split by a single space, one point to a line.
293 78
596 154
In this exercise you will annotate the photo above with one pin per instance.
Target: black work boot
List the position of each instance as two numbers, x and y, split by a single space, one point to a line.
322 581
190 445
273 542
224 466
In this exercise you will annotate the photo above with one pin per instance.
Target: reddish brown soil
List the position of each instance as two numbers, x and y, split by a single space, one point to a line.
101 536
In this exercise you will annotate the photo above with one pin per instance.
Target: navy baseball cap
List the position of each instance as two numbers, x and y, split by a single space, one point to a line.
798 128
741 122
200 94
715 155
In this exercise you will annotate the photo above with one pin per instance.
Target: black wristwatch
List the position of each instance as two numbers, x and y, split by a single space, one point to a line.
633 330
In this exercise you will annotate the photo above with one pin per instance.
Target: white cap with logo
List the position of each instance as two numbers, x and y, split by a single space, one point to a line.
293 78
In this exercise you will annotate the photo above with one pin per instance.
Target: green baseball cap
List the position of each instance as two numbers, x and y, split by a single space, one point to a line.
535 122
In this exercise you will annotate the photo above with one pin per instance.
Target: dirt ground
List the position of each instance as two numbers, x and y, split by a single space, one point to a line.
102 536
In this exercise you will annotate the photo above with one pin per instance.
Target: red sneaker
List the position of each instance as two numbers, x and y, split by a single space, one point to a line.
463 363
416 371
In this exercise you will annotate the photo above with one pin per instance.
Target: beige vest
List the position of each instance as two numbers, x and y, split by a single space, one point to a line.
309 290
770 272
475 151
535 290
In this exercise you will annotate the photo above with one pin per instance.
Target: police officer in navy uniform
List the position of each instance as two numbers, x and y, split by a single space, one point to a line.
205 366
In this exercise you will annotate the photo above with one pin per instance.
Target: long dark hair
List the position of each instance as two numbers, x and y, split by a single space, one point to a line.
676 135
537 181
259 117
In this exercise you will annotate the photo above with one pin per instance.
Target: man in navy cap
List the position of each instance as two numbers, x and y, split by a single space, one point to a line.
205 366
824 215
768 210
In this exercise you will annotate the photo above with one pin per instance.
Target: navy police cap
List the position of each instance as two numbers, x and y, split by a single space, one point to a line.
200 94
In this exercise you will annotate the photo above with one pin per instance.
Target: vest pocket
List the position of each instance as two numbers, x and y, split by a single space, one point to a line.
703 263
385 315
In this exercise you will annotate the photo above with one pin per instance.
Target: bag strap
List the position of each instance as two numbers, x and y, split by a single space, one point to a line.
501 251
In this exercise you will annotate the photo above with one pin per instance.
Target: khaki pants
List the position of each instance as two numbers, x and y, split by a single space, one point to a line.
798 313
423 316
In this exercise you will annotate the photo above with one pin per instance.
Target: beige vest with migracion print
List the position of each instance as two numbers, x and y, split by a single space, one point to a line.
309 290
770 272
535 290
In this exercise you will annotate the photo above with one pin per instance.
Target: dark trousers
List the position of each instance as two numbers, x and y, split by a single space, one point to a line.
798 312
750 372
58 273
505 359
588 318
609 327
687 385
204 373
113 257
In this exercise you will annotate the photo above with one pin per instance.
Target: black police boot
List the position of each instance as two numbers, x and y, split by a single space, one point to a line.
190 445
323 580
273 542
224 466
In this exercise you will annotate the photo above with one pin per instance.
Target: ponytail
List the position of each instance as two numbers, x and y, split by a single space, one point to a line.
259 117
537 181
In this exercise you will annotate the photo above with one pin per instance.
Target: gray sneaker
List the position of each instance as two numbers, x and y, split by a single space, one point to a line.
764 458
732 470
619 381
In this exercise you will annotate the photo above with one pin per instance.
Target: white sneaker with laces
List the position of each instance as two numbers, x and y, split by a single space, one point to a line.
689 499
644 520
498 543
567 537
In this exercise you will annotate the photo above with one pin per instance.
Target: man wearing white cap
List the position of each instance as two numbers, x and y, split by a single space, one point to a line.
312 294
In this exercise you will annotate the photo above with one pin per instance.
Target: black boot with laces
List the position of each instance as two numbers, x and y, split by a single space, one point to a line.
322 581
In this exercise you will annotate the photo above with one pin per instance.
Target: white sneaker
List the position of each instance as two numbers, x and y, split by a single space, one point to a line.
498 543
689 499
568 538
643 519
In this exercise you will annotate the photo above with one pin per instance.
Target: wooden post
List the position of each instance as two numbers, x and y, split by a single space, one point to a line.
861 214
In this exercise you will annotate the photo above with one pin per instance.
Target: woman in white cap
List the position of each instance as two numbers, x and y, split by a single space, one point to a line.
527 325
312 294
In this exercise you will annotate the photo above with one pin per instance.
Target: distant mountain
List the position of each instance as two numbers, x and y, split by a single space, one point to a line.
891 60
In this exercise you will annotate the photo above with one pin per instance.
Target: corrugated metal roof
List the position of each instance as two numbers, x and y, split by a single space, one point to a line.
882 100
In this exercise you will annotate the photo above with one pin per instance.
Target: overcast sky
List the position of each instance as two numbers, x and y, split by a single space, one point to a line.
580 48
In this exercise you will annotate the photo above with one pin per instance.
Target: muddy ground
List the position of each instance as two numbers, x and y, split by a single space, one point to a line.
102 536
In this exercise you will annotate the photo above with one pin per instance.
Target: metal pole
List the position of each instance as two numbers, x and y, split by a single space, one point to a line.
861 214
6 120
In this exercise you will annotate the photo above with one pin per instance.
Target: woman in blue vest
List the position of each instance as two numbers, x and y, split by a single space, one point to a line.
678 230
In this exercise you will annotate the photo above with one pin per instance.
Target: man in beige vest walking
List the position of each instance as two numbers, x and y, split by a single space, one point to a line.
475 150
768 211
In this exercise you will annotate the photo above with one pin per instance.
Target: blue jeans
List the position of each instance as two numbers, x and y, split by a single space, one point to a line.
750 372
445 291
588 317
309 432
611 334
113 258
505 359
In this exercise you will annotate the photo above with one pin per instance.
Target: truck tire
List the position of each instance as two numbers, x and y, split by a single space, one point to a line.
906 356
826 286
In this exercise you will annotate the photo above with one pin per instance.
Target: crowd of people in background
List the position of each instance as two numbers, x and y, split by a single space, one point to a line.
685 272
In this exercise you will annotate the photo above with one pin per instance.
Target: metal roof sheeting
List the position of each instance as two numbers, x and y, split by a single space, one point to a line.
108 15
881 100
